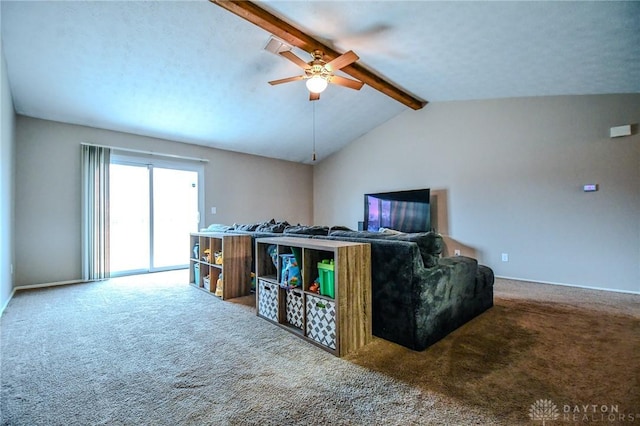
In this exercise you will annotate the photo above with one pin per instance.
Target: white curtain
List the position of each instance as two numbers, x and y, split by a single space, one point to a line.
95 212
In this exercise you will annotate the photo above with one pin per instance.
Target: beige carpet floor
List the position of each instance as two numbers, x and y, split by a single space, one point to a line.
154 350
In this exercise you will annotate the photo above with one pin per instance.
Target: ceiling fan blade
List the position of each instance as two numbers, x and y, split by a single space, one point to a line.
342 61
286 80
293 58
346 82
314 96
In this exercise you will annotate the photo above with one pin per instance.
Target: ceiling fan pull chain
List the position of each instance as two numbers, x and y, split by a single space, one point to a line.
313 156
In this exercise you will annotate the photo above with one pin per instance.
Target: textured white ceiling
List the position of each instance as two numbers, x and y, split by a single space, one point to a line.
192 72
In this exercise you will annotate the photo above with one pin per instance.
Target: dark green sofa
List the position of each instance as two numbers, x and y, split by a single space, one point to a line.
418 297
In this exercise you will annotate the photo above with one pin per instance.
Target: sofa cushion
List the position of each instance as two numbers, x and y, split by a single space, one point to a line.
358 234
339 228
429 243
390 231
273 226
306 230
267 226
246 227
217 227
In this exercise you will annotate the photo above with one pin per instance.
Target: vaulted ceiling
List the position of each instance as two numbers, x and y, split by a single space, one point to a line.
193 72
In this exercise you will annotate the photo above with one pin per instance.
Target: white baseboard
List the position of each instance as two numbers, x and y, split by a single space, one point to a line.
53 284
42 285
7 302
569 285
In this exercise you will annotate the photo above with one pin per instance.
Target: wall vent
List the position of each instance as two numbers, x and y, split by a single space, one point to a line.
275 46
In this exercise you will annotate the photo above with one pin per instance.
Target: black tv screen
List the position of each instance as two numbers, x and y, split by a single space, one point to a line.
404 211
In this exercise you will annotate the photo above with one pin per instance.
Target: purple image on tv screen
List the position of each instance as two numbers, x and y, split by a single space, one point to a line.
405 211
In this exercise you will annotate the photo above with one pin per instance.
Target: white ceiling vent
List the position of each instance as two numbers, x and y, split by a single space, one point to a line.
275 46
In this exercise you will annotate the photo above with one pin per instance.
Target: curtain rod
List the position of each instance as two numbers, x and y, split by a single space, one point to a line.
139 151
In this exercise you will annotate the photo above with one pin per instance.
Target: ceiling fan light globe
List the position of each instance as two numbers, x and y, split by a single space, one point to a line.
316 84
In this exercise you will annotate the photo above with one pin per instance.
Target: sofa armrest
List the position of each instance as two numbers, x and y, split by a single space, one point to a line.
445 297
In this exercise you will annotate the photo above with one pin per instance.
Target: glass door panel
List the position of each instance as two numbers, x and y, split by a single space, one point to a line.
129 218
175 215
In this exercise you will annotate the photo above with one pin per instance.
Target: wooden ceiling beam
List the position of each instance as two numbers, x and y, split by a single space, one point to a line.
292 35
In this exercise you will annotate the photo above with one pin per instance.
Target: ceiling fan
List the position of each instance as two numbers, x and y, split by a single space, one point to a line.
319 73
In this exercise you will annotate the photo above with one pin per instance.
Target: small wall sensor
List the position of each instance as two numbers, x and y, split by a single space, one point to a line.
619 131
590 187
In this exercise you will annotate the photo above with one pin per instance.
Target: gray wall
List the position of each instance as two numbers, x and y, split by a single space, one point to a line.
7 150
243 188
508 176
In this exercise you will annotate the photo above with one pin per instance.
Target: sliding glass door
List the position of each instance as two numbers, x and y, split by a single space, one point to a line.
129 211
174 214
152 209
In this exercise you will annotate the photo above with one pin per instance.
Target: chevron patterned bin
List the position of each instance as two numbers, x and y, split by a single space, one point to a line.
295 308
321 321
268 300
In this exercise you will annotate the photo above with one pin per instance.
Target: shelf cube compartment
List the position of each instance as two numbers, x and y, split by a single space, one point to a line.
266 260
321 320
326 277
290 275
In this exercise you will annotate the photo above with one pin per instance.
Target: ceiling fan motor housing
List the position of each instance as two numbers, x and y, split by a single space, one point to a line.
318 66
318 73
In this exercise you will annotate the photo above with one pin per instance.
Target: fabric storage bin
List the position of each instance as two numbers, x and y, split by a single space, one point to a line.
321 320
268 300
295 308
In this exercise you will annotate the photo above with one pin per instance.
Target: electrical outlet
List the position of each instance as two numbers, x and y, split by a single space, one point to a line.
505 257
214 210
456 252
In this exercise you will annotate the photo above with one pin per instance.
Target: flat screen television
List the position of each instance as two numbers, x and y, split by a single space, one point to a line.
405 211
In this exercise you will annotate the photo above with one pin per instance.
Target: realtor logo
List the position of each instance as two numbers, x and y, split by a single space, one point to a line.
543 410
